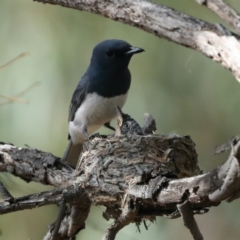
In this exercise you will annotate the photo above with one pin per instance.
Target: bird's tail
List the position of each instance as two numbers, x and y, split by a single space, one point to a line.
72 153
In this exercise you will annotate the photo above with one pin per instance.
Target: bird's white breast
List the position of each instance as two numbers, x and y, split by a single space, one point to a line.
94 112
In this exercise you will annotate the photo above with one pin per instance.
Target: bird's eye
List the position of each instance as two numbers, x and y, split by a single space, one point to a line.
110 53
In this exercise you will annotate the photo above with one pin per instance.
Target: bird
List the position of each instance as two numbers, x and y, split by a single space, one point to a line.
149 124
103 87
126 124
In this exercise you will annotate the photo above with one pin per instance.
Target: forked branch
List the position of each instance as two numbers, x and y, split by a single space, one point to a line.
213 40
130 192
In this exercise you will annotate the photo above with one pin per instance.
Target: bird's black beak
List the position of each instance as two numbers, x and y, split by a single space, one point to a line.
134 50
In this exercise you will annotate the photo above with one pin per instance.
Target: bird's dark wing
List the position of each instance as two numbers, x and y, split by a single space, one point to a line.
108 125
78 97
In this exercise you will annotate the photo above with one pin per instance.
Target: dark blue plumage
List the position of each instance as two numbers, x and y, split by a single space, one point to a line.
110 75
103 87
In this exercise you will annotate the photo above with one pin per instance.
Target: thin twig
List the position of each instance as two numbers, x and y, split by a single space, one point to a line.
32 201
14 60
227 146
10 99
189 220
27 89
41 199
224 11
113 229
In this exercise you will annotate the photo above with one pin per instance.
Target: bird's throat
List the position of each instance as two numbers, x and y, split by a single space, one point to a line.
111 84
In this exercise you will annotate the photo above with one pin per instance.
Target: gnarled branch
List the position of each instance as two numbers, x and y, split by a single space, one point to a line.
134 177
213 40
224 11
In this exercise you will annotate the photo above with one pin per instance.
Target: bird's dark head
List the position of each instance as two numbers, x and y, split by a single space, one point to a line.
113 54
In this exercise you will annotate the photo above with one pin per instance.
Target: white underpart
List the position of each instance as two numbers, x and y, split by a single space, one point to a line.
94 112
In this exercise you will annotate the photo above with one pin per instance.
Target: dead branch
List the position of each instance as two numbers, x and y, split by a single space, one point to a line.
14 60
33 165
134 177
189 220
224 11
128 215
213 40
16 98
71 219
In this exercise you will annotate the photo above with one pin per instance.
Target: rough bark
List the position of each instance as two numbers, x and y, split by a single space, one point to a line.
224 11
135 177
213 40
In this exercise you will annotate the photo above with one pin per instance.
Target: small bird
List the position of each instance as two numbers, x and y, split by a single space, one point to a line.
126 124
103 87
149 124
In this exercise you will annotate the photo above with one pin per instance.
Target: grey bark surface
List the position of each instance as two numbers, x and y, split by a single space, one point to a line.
213 40
224 11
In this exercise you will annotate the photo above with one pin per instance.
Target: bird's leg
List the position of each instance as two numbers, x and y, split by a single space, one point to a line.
84 130
107 125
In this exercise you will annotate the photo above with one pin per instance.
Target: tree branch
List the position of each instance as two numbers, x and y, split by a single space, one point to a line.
224 11
14 59
214 41
5 194
135 177
32 201
33 165
128 215
70 220
189 220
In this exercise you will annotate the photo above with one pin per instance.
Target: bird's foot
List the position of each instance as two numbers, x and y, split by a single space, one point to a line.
95 135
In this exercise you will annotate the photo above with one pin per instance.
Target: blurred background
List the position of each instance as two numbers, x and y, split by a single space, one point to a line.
187 93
